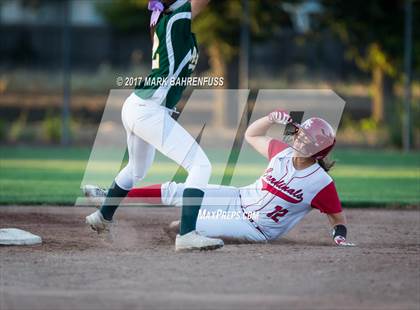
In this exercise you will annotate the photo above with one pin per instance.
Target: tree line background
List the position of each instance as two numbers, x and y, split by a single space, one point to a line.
354 47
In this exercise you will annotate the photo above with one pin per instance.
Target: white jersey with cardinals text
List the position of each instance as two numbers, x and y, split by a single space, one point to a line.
283 195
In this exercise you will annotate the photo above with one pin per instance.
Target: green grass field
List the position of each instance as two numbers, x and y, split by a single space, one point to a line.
36 175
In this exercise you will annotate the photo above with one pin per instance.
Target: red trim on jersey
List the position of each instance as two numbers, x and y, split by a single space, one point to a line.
148 194
267 203
327 200
256 203
274 147
305 176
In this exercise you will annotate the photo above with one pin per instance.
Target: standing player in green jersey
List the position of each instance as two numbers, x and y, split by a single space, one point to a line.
146 116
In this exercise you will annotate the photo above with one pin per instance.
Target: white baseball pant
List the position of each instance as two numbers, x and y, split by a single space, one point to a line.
222 205
150 127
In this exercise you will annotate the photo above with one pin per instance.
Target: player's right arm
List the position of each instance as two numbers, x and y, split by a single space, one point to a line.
256 134
197 6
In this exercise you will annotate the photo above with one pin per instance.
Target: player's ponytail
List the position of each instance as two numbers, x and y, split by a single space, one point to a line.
326 164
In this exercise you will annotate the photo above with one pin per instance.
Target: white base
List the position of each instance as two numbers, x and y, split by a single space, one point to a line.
14 236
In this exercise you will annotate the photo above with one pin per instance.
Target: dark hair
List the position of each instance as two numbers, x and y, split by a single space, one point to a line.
326 163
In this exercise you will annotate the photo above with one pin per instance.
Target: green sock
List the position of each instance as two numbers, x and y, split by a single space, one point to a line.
191 204
112 200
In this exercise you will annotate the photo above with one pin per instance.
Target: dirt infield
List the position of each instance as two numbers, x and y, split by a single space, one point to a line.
137 267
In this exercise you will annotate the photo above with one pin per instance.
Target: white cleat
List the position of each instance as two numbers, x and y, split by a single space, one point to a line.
97 222
94 194
194 241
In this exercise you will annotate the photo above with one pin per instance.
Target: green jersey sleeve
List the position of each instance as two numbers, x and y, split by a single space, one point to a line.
173 48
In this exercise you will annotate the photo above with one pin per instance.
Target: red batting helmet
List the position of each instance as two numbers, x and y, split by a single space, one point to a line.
316 137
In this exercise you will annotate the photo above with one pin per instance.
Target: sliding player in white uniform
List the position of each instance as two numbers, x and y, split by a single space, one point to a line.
295 182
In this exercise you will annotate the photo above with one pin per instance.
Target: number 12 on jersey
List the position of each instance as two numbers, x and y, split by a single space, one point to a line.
278 212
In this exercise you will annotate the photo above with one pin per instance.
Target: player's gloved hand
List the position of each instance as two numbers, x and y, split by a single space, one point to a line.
341 241
279 117
339 233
